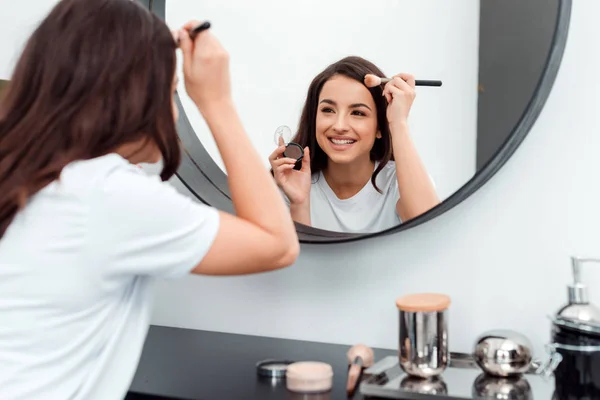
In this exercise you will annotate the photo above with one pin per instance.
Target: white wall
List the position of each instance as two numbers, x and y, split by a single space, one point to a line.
275 56
502 255
17 21
290 52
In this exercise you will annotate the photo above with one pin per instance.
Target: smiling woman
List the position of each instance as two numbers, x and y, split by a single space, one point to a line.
497 71
361 171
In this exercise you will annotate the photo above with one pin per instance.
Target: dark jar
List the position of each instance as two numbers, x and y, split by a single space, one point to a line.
577 376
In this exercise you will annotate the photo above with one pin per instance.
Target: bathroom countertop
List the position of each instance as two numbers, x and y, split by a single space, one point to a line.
200 365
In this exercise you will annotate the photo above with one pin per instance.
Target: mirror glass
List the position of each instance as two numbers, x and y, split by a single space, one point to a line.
486 54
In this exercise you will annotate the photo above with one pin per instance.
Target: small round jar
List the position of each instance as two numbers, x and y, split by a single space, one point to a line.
309 377
272 372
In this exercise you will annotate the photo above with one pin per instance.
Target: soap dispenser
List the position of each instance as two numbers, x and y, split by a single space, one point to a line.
579 311
576 338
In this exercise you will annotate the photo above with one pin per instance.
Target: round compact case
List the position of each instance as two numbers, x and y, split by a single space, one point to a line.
292 150
272 368
272 372
295 151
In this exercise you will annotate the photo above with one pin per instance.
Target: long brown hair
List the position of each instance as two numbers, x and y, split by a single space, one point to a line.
94 75
355 68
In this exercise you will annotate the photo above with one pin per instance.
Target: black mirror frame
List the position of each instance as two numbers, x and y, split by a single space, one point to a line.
208 183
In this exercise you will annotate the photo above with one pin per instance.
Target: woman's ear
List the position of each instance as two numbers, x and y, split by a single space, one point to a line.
378 135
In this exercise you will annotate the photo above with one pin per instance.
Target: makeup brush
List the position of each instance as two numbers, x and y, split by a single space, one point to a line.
194 32
359 357
374 80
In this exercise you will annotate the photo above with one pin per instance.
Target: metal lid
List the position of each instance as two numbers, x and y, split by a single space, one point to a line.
579 314
273 368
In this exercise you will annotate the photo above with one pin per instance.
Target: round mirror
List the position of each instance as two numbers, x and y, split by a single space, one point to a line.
380 161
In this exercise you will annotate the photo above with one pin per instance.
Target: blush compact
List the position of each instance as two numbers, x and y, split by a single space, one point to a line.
295 151
292 150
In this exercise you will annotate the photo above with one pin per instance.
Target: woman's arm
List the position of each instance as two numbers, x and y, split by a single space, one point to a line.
417 192
301 212
261 236
295 185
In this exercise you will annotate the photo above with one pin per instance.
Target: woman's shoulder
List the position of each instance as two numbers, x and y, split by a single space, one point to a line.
113 187
387 173
390 166
103 165
108 174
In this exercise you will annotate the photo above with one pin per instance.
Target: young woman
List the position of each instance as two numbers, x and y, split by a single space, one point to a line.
361 171
84 232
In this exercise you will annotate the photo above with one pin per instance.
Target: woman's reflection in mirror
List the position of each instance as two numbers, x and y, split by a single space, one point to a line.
361 171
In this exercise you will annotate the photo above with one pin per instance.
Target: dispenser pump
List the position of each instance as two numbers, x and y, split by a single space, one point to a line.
579 310
578 292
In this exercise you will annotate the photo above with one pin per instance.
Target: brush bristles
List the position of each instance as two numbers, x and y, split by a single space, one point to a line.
372 80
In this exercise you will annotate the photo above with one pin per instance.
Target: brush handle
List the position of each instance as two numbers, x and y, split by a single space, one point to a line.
425 82
354 373
418 82
194 32
202 27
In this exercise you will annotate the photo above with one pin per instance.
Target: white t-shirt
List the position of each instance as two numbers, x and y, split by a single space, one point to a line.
367 211
77 268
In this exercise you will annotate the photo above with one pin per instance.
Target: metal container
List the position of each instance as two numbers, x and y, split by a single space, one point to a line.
503 353
423 334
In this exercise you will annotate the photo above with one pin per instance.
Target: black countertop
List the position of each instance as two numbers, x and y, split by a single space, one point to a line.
186 364
199 365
